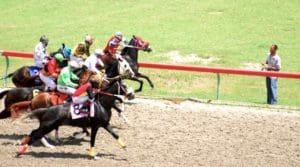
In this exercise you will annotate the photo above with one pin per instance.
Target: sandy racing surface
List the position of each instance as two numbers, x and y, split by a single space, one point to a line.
164 133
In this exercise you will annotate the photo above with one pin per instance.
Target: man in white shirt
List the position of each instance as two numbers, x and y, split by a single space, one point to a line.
94 62
273 63
40 52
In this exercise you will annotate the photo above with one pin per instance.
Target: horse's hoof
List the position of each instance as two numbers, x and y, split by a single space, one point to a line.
18 143
121 143
96 158
78 135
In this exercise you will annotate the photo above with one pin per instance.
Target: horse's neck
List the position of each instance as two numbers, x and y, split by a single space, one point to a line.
85 76
132 53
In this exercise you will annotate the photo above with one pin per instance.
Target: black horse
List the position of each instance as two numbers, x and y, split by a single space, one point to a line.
27 76
17 95
130 53
55 116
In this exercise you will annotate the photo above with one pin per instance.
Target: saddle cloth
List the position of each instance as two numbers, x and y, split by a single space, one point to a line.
82 110
34 71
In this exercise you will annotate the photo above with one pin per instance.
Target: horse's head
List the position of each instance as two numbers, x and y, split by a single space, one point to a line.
98 80
124 67
140 44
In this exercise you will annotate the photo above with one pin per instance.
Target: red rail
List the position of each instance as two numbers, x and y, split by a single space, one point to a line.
185 68
11 53
221 70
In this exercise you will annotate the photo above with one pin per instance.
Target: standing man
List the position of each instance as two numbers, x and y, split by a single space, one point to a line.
273 63
40 52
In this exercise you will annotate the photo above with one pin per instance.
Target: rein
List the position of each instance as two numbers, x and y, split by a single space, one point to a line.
135 47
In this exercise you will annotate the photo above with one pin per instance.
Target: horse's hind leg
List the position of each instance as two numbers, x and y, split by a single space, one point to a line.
115 135
38 134
147 78
4 114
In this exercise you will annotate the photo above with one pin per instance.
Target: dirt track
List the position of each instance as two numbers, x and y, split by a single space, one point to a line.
164 133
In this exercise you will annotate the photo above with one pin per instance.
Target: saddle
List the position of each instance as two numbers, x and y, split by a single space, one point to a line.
85 110
34 71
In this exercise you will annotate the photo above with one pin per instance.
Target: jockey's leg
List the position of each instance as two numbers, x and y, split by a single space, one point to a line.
48 81
65 89
52 85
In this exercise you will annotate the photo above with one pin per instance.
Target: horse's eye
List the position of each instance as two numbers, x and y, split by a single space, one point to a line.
125 65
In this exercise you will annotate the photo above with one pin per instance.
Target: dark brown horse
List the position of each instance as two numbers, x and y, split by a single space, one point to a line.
28 76
130 54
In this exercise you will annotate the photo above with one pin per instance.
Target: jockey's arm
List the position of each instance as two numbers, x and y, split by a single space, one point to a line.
52 69
90 93
73 76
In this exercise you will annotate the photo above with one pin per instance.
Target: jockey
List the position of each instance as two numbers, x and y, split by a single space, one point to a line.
94 62
40 53
64 81
50 72
82 51
112 46
86 91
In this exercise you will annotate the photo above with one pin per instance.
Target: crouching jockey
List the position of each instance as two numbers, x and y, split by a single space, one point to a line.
50 72
86 91
64 81
113 45
94 62
82 51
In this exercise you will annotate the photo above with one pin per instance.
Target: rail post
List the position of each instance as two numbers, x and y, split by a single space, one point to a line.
218 85
6 70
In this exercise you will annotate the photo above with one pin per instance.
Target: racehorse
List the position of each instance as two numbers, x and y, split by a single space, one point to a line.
130 53
17 95
28 76
55 116
26 94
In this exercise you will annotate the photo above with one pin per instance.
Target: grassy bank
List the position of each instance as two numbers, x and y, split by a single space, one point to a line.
232 32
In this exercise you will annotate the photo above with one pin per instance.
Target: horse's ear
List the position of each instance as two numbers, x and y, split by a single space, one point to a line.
63 45
133 36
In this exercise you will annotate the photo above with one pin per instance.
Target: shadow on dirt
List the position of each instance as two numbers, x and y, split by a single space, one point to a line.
72 155
12 136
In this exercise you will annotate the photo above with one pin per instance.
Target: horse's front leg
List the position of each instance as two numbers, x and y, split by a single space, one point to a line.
141 84
94 131
115 135
147 78
121 114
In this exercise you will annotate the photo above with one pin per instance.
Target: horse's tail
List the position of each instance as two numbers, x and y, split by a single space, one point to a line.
3 93
10 75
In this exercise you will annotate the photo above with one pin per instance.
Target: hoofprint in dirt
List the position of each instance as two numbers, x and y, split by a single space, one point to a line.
164 133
